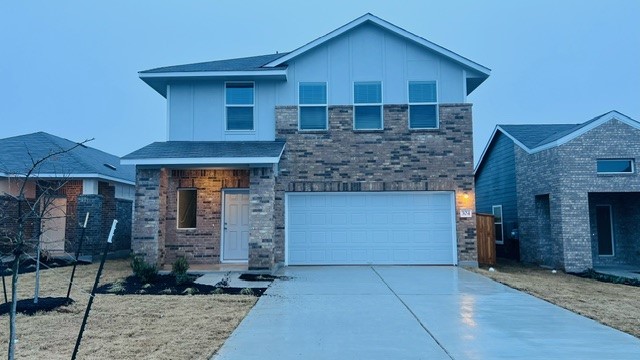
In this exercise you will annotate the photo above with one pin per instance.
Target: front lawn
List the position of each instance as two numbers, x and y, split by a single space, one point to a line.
121 326
614 305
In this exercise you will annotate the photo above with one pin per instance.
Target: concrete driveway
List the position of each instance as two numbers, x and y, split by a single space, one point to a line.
413 312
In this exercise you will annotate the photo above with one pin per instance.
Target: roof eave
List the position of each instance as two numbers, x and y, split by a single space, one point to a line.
200 161
74 176
159 81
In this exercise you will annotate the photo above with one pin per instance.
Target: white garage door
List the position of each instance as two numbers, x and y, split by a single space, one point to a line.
370 228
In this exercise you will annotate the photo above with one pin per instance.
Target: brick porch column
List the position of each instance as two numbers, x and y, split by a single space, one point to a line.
261 218
147 237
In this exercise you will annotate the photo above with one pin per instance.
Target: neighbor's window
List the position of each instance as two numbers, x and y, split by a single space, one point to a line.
312 98
187 206
239 105
423 105
615 166
367 109
497 220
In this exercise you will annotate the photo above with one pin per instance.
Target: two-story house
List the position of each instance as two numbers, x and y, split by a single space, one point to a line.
355 148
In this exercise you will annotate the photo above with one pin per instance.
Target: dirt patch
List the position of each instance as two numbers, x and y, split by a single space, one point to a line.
166 285
122 327
615 305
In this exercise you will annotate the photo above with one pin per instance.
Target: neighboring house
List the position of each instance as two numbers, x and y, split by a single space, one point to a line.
85 180
355 148
571 190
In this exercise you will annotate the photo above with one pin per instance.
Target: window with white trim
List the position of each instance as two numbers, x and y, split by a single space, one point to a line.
312 101
239 101
423 105
497 221
367 105
187 208
615 166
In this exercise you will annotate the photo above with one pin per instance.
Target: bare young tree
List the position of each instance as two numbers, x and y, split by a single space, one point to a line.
27 216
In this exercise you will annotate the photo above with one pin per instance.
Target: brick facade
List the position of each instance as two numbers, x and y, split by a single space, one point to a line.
396 159
566 176
261 219
155 232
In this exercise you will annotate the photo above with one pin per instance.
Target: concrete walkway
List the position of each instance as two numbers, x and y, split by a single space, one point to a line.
413 312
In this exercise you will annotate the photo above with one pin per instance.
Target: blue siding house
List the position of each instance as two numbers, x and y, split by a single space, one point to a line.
570 193
352 149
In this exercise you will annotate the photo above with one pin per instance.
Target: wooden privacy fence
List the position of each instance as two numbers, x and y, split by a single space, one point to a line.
486 239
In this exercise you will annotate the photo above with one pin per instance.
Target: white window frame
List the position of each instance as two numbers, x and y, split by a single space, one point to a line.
325 105
368 104
178 209
252 105
423 103
501 223
633 167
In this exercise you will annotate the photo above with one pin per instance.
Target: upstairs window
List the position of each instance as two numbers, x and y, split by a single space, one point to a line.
312 98
615 166
239 100
423 105
367 100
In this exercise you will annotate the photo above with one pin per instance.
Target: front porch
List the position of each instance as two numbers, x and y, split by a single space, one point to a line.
614 220
214 217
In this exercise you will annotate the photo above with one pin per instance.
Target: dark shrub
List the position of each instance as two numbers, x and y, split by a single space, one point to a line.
143 270
179 270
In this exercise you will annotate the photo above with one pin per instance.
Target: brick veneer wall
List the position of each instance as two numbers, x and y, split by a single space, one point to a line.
262 219
155 232
396 159
9 224
568 174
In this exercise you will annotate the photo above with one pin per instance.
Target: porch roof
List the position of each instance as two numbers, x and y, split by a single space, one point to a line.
205 153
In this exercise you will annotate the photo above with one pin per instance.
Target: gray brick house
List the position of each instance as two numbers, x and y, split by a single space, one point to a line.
355 148
571 191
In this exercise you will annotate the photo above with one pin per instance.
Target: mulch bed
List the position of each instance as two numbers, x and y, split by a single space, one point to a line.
26 306
166 285
592 274
29 265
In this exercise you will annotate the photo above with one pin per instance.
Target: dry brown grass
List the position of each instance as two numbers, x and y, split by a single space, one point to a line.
611 304
122 327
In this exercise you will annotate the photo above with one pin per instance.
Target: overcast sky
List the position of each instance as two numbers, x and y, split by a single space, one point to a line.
70 67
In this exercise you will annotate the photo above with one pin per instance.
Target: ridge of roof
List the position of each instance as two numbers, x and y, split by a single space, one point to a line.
18 153
369 17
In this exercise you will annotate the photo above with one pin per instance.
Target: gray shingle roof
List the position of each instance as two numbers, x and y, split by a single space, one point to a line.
533 136
208 149
16 155
253 63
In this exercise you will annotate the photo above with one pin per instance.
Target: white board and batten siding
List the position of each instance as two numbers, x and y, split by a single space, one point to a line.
348 228
196 111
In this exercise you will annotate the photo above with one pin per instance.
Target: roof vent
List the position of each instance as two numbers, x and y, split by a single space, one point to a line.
109 166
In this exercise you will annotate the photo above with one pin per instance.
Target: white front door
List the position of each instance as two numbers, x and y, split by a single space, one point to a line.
235 222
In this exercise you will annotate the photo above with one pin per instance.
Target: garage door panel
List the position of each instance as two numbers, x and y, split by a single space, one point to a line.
370 228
